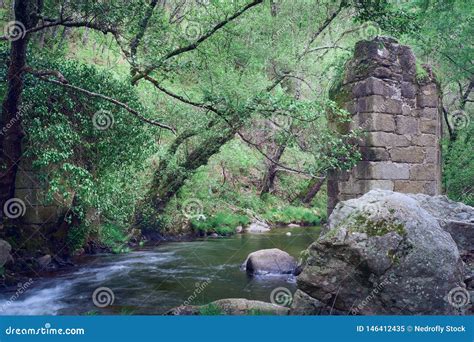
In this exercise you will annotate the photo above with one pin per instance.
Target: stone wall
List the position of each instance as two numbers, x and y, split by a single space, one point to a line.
31 193
396 105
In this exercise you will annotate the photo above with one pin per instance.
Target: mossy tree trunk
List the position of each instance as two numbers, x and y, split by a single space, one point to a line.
12 133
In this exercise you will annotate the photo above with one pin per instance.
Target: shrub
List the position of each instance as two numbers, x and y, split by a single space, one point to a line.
291 214
223 223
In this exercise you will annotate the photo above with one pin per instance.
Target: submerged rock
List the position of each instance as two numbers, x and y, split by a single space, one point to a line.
269 261
383 253
231 306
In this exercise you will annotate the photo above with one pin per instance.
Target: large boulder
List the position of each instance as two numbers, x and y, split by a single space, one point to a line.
5 249
231 306
383 253
454 217
269 261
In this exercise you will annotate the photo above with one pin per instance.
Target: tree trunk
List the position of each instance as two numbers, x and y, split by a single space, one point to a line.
313 188
12 133
168 180
270 176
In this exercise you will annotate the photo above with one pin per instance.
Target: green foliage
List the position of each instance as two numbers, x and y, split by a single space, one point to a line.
224 223
114 237
421 73
458 169
77 236
291 214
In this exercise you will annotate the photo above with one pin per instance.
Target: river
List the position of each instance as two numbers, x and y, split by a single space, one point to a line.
151 280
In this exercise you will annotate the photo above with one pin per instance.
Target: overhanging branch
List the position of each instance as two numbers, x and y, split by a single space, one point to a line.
61 81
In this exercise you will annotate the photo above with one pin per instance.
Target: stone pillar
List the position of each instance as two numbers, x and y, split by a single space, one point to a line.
396 105
38 210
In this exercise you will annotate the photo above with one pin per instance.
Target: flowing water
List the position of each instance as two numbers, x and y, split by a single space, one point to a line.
153 280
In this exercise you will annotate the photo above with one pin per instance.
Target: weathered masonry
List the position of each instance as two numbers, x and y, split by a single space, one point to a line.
396 103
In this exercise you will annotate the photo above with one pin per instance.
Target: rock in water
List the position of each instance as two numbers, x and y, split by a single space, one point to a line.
258 226
383 254
231 306
44 261
269 261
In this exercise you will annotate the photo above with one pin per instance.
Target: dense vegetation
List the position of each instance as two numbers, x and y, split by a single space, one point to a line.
171 116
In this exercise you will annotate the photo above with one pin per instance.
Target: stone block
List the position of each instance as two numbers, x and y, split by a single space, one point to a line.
409 186
350 187
428 113
32 197
407 125
374 153
382 170
27 180
432 155
411 154
407 110
377 184
379 104
429 89
427 101
429 126
423 172
425 140
431 188
389 170
383 139
408 90
387 73
40 215
376 122
373 86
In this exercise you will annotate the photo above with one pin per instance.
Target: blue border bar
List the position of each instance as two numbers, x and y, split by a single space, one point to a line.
240 328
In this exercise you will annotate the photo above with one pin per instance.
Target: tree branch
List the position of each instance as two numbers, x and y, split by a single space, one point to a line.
43 75
194 45
287 168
